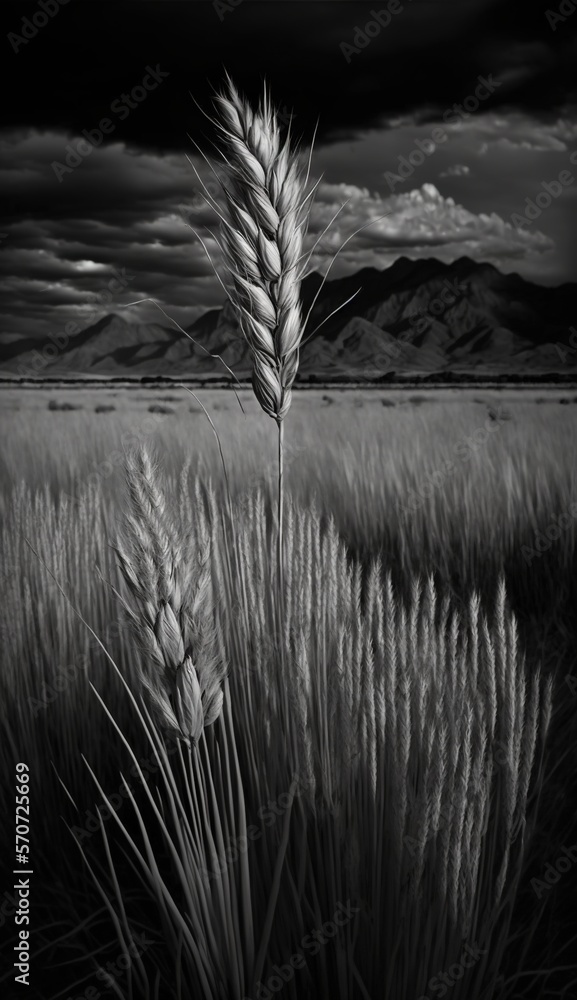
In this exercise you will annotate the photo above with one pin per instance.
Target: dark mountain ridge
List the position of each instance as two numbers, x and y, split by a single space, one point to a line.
412 318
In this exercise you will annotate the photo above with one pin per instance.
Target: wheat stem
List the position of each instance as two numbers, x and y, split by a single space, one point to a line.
280 425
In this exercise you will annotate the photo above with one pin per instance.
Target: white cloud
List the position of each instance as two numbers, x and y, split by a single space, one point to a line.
506 130
421 222
517 131
122 209
456 170
543 144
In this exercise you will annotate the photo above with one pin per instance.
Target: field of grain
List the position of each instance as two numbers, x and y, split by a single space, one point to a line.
397 728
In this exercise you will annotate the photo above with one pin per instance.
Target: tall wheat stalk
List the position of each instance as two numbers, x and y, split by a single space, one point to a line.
262 229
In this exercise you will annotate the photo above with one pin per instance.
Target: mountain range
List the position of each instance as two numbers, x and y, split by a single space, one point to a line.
412 319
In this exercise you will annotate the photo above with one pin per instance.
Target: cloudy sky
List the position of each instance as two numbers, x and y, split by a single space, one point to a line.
438 124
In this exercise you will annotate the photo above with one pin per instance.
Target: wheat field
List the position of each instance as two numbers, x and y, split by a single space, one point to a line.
369 805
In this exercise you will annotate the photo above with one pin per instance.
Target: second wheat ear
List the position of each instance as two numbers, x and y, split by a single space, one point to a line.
168 601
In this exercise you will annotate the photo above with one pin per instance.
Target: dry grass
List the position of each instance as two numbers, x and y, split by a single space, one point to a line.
385 744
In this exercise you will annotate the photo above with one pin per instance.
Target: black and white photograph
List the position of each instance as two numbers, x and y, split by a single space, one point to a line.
288 500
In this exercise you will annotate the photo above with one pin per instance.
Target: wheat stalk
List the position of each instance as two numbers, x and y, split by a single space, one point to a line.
167 601
261 241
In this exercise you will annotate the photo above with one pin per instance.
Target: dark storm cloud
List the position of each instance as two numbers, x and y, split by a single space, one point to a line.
129 201
93 52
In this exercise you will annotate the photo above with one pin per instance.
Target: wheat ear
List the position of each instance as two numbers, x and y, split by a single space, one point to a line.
261 240
167 600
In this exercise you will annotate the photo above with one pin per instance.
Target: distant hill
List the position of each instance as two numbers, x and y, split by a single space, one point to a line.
413 318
